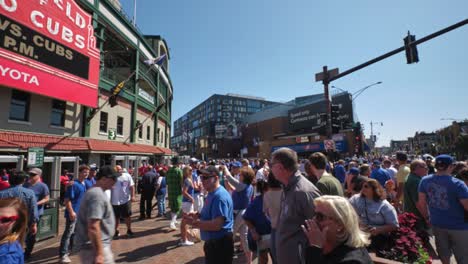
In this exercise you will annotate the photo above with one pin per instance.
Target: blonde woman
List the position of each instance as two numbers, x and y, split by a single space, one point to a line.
187 204
333 234
13 223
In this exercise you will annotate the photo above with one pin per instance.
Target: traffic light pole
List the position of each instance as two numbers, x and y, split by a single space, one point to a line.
327 76
327 101
393 52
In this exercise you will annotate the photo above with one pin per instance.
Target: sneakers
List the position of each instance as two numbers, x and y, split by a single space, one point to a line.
186 243
172 226
65 259
129 233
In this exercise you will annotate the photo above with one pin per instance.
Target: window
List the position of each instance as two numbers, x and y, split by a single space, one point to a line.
162 137
103 122
57 117
19 107
120 121
148 133
140 130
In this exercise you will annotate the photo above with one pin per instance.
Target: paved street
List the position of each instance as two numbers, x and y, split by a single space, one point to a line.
152 243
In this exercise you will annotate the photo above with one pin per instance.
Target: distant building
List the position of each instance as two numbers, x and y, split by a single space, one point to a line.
299 124
213 128
453 139
423 142
400 145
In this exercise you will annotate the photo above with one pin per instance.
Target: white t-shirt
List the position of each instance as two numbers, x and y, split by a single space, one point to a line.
260 175
121 191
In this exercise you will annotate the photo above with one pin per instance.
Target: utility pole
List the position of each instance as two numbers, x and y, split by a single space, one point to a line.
325 77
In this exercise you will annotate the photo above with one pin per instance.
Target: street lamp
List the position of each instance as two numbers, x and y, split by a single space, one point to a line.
360 91
333 86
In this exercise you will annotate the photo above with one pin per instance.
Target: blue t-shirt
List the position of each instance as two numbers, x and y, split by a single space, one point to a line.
89 183
340 173
241 199
11 253
380 175
189 187
195 179
41 190
75 193
217 203
443 195
254 214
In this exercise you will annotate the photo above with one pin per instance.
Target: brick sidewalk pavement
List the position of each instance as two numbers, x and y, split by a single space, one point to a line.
152 243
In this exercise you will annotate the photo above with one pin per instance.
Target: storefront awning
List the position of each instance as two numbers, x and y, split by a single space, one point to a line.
21 141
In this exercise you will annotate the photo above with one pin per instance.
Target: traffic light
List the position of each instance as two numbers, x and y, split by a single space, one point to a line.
335 121
358 139
411 51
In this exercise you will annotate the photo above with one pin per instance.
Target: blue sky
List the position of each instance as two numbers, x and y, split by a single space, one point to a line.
273 48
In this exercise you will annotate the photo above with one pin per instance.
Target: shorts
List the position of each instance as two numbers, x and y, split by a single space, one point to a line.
123 210
451 240
88 254
187 207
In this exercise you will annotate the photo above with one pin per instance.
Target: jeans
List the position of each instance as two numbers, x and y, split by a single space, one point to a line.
146 199
161 200
67 237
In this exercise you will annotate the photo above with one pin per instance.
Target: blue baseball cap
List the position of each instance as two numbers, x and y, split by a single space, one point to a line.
376 163
237 164
444 160
354 171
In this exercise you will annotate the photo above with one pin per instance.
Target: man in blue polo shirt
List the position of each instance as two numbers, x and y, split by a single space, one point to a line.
72 201
215 220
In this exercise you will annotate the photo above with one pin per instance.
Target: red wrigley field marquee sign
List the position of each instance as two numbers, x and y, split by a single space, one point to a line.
47 47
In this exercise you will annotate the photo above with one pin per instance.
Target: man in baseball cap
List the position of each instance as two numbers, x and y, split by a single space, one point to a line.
42 193
443 201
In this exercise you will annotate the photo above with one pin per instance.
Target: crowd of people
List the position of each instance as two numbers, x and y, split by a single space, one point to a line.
284 209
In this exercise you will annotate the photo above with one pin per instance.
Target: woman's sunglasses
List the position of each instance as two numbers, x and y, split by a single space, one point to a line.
321 217
8 219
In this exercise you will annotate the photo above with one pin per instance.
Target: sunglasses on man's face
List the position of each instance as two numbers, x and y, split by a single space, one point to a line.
8 219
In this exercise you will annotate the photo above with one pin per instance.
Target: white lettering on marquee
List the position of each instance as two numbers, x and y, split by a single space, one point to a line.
9 7
18 75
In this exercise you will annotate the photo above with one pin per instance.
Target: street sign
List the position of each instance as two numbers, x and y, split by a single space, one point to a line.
331 73
35 157
111 134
